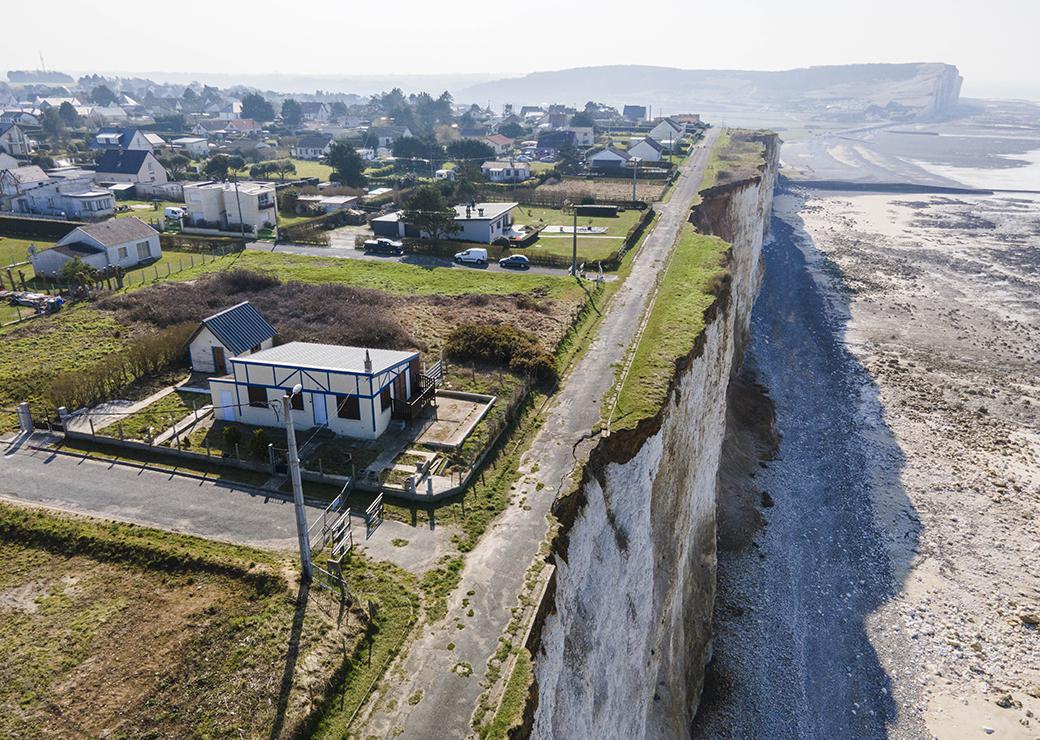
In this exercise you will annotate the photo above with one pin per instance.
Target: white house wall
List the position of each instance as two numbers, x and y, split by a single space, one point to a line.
200 351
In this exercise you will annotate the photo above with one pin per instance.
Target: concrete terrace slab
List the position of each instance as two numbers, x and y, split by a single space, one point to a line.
451 421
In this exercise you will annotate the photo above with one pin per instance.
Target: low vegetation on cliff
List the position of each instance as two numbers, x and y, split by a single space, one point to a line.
688 287
737 155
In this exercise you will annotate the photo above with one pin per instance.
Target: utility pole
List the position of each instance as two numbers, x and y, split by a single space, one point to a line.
574 244
635 169
297 484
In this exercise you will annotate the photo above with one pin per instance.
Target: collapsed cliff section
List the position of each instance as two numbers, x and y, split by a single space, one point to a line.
622 651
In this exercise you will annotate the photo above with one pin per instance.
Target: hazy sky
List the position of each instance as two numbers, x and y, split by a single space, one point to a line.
992 42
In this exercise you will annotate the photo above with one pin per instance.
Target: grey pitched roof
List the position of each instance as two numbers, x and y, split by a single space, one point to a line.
5 126
239 328
314 141
117 230
652 142
122 161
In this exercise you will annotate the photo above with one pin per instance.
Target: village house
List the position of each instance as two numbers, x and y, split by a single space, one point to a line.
352 391
195 147
667 130
647 149
583 135
312 146
14 141
127 138
501 144
209 127
385 136
477 222
315 111
227 206
72 197
242 127
555 140
634 112
234 332
117 242
500 171
130 165
225 111
609 158
18 180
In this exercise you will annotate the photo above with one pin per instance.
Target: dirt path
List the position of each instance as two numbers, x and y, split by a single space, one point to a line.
494 571
890 592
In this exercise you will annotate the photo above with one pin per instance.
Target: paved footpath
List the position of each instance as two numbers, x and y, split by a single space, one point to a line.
494 571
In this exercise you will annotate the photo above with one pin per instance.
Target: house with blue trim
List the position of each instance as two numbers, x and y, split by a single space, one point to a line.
353 391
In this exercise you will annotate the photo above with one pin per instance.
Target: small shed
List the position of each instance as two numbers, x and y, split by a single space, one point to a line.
234 332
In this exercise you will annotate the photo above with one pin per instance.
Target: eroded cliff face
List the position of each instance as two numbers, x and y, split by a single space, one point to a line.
623 652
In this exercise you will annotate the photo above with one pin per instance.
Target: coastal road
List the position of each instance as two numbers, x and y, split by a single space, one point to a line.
493 574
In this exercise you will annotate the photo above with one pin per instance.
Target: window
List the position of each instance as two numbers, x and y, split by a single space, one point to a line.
122 253
347 407
144 249
384 398
257 396
297 402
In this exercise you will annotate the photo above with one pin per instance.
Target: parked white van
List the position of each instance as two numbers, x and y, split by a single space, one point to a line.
474 255
174 213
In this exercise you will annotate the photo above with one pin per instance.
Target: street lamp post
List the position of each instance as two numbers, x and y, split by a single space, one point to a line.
297 484
635 169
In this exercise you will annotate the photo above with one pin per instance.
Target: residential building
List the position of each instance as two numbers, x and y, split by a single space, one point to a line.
385 136
209 126
14 141
584 136
19 180
227 206
117 242
327 203
477 222
234 332
647 149
609 158
315 111
634 112
501 144
225 111
7 162
242 127
130 165
667 130
501 171
67 197
25 118
556 140
312 146
352 391
110 137
252 149
193 146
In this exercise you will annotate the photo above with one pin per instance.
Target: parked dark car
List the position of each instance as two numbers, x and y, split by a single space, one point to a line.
515 261
384 246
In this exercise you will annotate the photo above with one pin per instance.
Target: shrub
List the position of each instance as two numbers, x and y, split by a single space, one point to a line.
502 344
258 443
232 435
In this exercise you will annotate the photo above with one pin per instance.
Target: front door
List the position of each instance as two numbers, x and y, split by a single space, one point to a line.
321 413
218 360
227 406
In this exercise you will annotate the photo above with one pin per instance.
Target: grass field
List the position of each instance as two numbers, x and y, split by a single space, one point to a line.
677 318
393 277
733 157
304 168
115 629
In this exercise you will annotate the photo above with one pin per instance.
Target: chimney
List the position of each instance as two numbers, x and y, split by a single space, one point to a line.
368 363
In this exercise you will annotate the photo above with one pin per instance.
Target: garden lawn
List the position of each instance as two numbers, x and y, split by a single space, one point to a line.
157 416
393 277
591 247
687 290
13 249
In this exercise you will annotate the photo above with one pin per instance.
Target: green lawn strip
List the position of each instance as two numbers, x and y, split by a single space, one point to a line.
511 709
14 250
391 277
304 168
392 591
156 416
31 354
677 318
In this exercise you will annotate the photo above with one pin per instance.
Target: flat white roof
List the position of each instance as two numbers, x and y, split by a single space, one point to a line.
491 211
332 357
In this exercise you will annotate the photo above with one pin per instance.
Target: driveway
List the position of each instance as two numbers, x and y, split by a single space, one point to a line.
219 510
